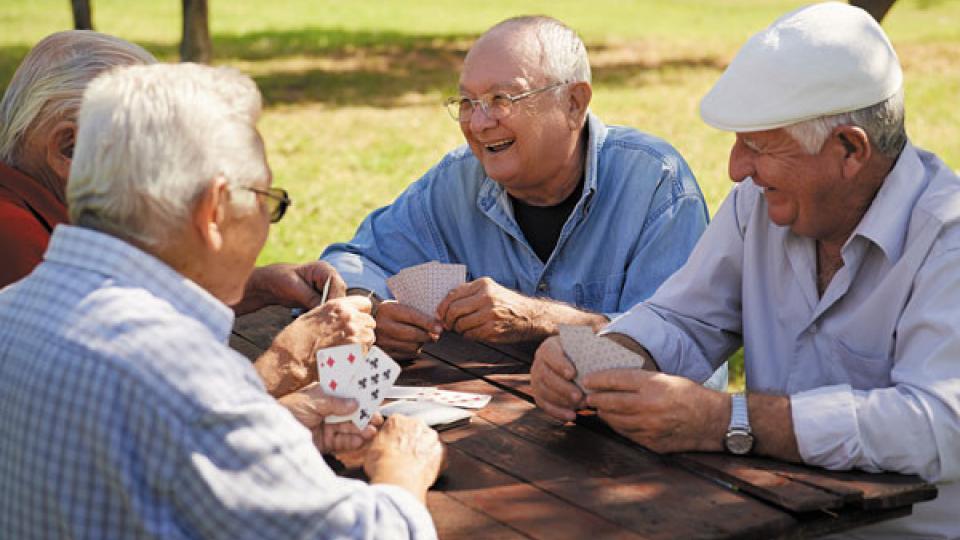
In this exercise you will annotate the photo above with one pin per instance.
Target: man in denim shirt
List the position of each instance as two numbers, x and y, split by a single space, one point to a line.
559 218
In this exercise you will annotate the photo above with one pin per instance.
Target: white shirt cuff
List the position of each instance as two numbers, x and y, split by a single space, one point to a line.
825 425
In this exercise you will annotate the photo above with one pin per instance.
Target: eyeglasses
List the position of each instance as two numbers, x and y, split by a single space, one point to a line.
496 106
277 201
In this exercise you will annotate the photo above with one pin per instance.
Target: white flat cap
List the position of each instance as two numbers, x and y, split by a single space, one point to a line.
818 60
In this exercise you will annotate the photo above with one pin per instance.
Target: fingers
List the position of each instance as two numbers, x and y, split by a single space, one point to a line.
402 330
462 301
617 380
359 303
461 291
551 378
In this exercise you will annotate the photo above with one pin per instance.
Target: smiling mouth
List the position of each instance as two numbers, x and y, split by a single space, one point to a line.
498 146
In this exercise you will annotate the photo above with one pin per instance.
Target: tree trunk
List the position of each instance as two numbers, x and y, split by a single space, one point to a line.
195 46
82 18
877 8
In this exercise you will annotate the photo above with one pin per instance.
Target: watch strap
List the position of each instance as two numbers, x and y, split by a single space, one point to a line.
739 416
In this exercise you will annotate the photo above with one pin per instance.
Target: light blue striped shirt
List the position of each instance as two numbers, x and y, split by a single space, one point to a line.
124 414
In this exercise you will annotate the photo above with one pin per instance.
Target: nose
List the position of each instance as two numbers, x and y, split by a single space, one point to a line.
741 161
480 119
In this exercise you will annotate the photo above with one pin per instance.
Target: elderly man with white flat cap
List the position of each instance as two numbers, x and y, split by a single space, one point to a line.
834 262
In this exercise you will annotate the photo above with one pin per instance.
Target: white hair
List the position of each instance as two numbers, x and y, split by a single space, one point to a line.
883 123
150 141
563 54
49 83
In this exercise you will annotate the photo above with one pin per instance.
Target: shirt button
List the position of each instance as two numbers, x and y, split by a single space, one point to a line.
542 286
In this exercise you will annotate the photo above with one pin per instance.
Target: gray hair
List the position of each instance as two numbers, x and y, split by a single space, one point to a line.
883 123
152 138
564 56
49 83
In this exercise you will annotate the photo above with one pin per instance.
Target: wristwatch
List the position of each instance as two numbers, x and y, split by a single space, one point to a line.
739 438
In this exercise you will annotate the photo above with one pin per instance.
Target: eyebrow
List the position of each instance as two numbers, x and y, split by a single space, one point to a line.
509 87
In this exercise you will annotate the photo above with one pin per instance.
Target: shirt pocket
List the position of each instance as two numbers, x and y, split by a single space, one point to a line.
861 371
601 295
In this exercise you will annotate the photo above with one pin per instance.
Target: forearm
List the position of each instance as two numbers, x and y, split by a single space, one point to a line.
771 420
548 315
255 296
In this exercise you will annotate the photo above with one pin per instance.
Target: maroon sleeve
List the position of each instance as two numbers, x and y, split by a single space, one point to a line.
23 239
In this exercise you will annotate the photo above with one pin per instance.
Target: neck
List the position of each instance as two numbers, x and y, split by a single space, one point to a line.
47 179
563 184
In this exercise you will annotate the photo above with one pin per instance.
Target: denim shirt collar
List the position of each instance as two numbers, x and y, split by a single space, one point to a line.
886 221
127 265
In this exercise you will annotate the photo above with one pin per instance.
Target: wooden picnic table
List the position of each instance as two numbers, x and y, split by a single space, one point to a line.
514 472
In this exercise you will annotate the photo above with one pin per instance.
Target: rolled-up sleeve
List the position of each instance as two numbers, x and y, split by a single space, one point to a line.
912 426
390 239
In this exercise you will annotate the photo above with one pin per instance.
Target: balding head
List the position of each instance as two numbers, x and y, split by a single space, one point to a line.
48 85
543 46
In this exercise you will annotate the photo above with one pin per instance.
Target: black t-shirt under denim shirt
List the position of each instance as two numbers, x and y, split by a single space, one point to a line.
541 225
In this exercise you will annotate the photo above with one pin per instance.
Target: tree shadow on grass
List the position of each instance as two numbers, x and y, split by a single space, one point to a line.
341 67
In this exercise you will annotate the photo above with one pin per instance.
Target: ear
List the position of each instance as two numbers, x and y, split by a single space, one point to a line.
580 94
852 145
209 213
59 149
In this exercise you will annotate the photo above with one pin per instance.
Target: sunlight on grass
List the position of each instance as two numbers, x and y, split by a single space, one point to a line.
353 89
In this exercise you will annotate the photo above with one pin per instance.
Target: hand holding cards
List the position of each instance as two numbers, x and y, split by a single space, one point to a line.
345 371
590 352
424 286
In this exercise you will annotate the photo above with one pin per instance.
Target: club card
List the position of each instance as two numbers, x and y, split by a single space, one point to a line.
435 415
590 352
371 383
467 400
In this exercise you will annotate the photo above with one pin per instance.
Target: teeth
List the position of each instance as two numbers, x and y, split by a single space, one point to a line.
499 145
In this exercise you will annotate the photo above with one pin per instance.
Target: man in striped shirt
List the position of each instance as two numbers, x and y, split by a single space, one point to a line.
122 410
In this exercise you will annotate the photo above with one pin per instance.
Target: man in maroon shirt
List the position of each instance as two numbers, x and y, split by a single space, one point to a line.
37 130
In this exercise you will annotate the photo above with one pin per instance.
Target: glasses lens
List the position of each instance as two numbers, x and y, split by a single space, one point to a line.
279 201
500 106
458 108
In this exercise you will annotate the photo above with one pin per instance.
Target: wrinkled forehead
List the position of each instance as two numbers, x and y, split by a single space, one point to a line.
507 59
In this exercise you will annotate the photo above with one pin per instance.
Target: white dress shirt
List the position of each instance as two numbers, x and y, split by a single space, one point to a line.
872 367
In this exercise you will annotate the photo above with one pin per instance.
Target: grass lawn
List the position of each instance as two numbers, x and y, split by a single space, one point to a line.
353 89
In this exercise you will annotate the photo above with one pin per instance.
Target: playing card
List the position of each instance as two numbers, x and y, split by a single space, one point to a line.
336 366
590 352
410 392
424 286
371 383
466 400
433 414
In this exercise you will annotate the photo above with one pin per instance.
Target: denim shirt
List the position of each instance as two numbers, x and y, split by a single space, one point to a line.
640 214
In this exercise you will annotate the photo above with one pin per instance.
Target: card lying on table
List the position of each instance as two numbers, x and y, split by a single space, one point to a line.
424 286
435 415
590 352
345 371
466 400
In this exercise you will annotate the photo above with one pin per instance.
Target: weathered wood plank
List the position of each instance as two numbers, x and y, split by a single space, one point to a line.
865 490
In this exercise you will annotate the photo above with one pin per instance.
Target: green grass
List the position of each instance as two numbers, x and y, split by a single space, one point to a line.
353 89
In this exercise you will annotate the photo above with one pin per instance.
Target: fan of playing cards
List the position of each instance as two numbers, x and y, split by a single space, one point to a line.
345 371
424 286
590 352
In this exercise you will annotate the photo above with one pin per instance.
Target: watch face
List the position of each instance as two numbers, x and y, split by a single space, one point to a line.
739 442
